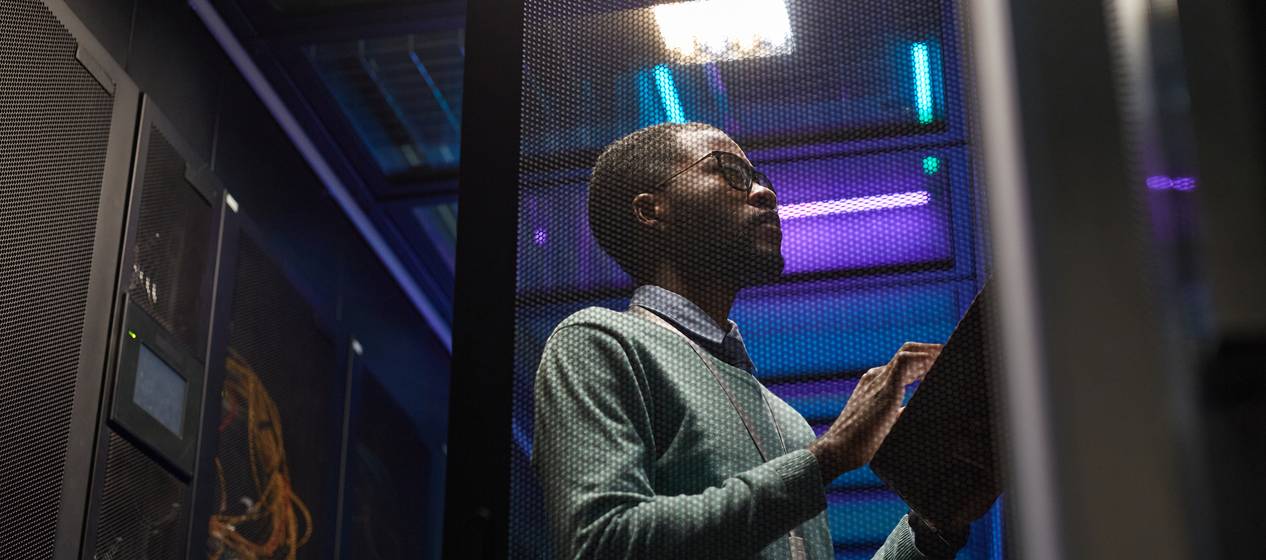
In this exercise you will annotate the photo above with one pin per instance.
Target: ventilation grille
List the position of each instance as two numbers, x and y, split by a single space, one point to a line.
140 507
278 356
54 125
172 237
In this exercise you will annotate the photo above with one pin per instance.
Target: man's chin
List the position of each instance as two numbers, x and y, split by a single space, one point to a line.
766 270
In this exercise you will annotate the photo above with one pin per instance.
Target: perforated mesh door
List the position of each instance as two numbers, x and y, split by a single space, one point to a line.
173 236
140 512
54 123
855 112
277 441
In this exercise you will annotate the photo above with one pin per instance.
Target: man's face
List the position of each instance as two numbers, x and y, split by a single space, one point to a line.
714 229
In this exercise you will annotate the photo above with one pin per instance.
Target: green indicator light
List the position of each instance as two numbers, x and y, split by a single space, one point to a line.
132 333
931 165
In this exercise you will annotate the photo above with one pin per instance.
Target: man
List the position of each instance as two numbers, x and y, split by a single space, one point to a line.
653 439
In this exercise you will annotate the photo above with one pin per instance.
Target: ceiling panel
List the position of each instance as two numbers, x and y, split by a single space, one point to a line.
402 94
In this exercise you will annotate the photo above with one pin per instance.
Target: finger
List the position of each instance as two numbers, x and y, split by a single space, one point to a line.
912 366
913 359
922 347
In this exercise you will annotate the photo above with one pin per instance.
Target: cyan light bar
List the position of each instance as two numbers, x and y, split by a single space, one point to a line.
435 90
668 94
921 62
858 204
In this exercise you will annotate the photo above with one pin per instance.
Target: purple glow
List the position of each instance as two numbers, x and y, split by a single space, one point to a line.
858 204
540 237
866 239
1161 182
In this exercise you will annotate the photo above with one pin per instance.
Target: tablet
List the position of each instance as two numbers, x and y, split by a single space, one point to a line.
944 449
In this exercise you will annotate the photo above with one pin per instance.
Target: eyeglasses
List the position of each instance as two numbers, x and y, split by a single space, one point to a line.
736 171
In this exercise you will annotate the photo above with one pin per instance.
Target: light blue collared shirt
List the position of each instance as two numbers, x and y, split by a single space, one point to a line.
694 323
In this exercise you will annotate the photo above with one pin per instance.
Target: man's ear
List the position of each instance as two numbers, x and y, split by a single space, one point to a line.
647 209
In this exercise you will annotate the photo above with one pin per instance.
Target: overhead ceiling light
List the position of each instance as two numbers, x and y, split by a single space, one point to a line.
713 30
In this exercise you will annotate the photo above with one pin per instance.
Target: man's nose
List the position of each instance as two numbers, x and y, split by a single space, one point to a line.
762 197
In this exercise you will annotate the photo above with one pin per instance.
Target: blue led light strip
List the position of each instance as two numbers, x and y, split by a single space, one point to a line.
312 155
435 90
922 81
668 94
405 121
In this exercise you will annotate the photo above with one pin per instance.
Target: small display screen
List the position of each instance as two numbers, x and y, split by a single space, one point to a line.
160 391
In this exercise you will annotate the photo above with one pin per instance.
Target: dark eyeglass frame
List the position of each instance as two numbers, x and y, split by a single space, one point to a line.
746 174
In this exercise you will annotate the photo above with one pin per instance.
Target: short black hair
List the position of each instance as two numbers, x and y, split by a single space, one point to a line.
628 167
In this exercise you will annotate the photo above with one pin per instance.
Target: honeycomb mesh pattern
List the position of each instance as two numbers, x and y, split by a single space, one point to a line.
951 428
54 127
275 332
173 234
809 161
140 507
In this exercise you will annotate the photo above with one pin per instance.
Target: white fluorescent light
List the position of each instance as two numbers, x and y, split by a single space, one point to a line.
712 30
859 204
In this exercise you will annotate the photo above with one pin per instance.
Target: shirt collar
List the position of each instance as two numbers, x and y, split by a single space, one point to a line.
680 311
694 323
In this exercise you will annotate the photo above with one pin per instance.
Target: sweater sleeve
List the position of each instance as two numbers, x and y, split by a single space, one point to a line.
900 544
594 455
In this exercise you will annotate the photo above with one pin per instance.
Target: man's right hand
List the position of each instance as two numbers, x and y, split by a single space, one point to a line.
871 411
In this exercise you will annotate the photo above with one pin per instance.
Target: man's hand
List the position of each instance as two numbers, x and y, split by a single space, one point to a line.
871 411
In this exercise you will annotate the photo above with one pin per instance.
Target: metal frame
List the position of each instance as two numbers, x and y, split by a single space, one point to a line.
203 482
81 449
204 183
402 216
477 491
350 427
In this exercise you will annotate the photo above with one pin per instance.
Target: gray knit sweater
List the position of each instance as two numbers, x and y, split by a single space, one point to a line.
641 454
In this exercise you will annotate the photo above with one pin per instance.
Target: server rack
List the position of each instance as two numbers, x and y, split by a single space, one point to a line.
68 123
148 460
384 493
282 412
140 295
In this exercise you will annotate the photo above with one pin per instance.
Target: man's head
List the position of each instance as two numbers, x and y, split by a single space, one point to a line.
657 199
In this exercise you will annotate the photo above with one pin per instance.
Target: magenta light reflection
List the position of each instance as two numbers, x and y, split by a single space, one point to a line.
1160 182
858 204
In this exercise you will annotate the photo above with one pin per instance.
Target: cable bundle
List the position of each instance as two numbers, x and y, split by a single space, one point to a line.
277 504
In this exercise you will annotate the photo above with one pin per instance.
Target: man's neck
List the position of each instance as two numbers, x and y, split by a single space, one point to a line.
712 297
